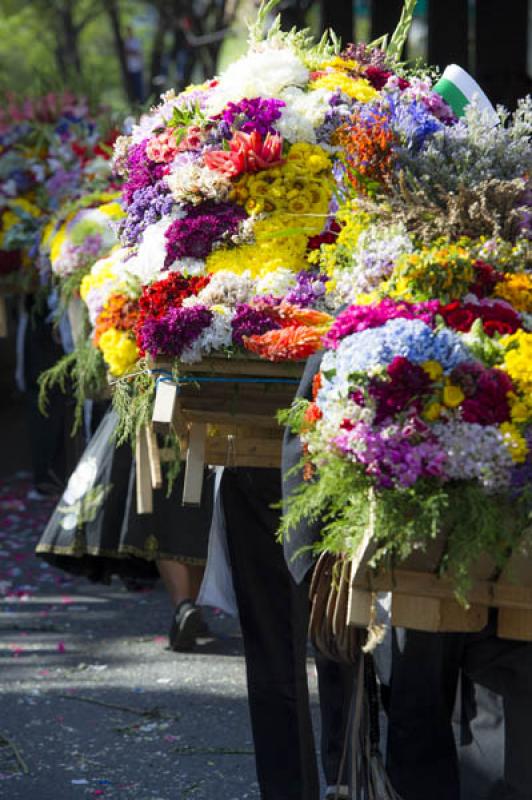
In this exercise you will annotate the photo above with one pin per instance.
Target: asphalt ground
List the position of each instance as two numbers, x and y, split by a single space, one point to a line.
92 702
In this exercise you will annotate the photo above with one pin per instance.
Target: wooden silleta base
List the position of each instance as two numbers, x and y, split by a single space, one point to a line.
223 411
422 600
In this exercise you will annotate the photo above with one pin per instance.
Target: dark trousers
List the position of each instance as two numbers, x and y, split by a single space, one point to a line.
422 760
274 619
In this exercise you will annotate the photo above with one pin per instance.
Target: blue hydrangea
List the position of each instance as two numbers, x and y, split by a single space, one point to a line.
377 347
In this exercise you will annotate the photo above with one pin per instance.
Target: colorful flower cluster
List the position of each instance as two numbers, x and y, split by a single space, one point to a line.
424 393
236 181
52 152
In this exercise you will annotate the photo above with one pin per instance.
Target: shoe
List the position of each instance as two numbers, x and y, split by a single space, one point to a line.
186 625
43 491
343 793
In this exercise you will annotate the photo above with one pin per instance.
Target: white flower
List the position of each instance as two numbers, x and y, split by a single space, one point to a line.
261 73
218 335
148 262
278 282
194 183
303 113
226 288
189 266
69 522
81 480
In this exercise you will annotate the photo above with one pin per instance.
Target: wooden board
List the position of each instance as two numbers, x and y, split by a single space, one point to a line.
250 367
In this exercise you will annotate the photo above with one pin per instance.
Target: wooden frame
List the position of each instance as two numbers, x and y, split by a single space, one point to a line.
223 411
423 601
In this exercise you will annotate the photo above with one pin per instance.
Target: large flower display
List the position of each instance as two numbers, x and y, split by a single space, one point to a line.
421 418
231 187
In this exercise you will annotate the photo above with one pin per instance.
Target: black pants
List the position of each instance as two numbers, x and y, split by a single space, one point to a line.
422 760
274 619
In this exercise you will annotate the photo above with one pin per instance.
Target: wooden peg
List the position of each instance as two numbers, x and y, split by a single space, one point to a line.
144 484
195 465
154 457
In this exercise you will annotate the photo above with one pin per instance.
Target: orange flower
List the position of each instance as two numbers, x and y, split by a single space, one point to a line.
291 314
120 312
316 384
287 344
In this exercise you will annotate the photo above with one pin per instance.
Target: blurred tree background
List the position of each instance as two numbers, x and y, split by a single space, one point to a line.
81 44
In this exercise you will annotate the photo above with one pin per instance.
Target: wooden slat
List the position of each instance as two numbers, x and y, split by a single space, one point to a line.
154 458
195 464
515 623
224 418
164 406
237 366
144 487
484 593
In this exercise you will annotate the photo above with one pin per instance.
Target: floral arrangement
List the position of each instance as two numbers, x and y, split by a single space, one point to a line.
231 187
51 152
420 419
76 236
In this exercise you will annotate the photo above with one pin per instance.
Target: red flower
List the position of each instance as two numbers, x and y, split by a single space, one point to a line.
457 316
248 153
378 78
169 292
486 392
328 237
312 414
496 317
487 277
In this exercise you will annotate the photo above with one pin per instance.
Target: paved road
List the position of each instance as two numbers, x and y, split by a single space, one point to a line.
92 704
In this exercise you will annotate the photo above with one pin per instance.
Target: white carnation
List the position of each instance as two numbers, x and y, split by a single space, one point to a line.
303 113
262 73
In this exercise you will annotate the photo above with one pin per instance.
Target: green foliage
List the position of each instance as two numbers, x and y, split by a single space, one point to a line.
81 373
172 468
301 41
133 399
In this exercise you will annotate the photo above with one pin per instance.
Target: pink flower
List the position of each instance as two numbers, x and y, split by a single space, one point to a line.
162 148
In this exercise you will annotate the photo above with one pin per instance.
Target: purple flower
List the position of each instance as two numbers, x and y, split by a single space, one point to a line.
141 171
177 329
194 235
396 456
257 114
249 321
310 289
148 205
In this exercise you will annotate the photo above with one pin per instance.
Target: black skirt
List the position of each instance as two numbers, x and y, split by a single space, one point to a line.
95 531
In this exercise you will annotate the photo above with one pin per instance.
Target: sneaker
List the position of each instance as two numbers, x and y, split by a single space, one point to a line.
340 792
186 625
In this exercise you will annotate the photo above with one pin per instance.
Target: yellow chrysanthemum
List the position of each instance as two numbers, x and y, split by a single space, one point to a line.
516 290
341 64
119 351
515 442
58 241
281 241
358 89
518 359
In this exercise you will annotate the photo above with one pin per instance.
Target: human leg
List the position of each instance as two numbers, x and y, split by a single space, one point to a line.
273 616
421 752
